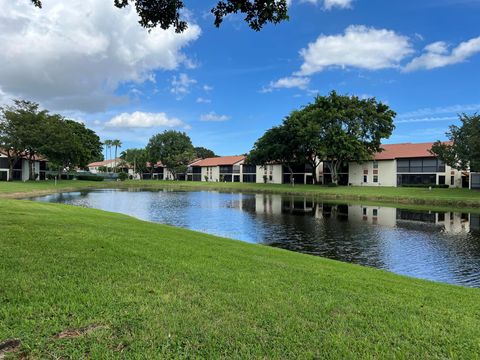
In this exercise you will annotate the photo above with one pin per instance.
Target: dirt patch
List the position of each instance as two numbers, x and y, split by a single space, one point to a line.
74 333
10 345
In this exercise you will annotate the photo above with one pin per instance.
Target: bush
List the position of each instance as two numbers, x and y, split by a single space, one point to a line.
122 176
90 178
332 185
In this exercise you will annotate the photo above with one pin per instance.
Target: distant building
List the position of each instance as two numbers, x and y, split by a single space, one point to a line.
111 164
223 168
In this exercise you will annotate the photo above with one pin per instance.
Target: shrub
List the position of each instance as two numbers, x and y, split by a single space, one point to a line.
122 176
332 184
90 178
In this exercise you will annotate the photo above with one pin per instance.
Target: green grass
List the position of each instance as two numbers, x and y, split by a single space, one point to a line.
419 196
153 291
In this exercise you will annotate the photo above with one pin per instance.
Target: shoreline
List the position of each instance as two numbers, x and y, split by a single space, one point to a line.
417 197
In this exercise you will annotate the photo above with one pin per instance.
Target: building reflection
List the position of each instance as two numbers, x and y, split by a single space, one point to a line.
272 204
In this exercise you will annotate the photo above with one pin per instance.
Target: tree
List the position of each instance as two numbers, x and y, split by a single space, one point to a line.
10 143
107 144
173 148
277 145
341 128
137 158
70 144
203 153
22 132
463 150
117 144
167 13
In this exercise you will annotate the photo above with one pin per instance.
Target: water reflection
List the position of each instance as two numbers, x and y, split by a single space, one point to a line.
441 246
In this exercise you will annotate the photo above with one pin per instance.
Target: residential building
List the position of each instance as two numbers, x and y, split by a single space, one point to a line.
223 168
21 169
159 172
95 167
405 164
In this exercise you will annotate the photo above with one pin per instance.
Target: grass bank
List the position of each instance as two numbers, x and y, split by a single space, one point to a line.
416 196
80 283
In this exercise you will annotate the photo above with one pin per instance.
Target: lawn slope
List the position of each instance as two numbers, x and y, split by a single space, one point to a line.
79 283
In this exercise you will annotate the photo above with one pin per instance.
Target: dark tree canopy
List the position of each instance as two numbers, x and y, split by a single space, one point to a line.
334 129
203 153
26 131
173 148
167 13
137 158
463 150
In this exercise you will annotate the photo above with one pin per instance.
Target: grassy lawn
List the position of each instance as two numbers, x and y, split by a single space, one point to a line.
82 283
448 197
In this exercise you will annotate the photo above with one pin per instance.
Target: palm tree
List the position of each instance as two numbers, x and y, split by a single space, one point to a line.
108 146
118 144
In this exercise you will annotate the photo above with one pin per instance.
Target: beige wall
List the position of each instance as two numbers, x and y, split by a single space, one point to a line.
213 173
275 171
387 173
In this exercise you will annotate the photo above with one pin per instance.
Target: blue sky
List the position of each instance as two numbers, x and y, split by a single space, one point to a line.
226 86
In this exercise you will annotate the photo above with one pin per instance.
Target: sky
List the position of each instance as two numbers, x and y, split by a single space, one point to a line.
224 87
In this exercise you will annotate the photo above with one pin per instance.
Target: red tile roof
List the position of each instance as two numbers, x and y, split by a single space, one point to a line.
218 161
104 163
36 157
405 150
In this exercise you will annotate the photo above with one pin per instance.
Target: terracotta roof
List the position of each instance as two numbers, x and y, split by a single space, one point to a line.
218 161
104 163
405 150
36 157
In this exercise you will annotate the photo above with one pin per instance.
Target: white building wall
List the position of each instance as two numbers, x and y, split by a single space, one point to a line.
212 172
272 172
386 172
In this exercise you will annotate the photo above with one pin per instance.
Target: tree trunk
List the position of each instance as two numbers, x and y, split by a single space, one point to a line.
11 164
31 168
116 158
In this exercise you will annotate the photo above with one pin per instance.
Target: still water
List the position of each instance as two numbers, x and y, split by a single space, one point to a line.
439 246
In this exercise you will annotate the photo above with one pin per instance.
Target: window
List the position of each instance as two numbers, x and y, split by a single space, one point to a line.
419 165
364 211
375 164
365 178
452 180
441 180
375 212
375 178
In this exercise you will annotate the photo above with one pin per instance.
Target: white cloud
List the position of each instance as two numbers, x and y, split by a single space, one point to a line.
181 85
360 46
207 88
212 116
437 55
140 119
343 4
75 54
201 100
450 109
327 4
427 119
289 82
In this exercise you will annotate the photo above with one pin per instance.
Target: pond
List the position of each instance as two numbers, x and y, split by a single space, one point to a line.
439 246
